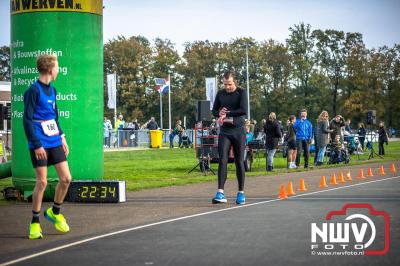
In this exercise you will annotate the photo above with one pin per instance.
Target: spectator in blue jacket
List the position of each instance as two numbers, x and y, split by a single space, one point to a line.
303 128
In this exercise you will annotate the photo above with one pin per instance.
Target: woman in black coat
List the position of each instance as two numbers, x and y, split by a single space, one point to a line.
273 134
383 138
361 134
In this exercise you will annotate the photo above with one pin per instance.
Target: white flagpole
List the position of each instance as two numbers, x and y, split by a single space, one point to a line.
169 101
247 79
161 122
115 99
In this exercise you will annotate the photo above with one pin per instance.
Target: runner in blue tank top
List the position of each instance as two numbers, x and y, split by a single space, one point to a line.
47 144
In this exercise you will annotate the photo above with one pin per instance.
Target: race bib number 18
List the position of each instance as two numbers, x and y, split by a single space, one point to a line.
50 128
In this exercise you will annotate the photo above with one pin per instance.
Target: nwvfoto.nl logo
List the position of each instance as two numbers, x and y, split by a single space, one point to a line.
354 229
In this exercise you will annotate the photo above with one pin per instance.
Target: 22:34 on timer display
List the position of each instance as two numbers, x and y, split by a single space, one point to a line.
97 191
94 191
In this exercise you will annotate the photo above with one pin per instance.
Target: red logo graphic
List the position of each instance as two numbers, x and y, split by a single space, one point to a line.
372 212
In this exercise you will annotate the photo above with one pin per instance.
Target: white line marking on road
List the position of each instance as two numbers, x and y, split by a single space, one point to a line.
178 219
341 198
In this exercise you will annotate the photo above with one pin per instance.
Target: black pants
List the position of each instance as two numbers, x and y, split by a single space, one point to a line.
238 142
381 148
316 153
135 140
362 140
302 144
107 141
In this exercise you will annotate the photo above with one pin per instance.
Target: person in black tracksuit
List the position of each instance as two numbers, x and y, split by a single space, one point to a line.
383 138
230 106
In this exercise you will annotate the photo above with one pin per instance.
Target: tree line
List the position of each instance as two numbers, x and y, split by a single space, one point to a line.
314 69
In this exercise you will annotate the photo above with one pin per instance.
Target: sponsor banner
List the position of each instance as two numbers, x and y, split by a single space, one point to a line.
82 6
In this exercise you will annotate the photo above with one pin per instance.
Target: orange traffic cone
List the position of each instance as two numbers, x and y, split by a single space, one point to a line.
348 176
341 177
282 192
361 175
302 185
381 170
323 184
393 168
290 190
333 179
369 172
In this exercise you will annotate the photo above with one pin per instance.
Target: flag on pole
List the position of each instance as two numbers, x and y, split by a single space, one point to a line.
211 90
112 91
162 85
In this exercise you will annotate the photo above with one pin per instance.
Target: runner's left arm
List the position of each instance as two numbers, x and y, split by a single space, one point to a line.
56 110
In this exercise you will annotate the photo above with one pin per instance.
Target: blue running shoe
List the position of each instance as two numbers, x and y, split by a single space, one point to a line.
240 198
219 198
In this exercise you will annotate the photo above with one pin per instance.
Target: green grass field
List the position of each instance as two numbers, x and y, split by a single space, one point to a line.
158 168
167 167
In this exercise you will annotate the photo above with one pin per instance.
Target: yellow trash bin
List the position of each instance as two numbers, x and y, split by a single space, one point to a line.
156 138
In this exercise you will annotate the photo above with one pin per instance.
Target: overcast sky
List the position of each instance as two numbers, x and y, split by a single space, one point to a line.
222 20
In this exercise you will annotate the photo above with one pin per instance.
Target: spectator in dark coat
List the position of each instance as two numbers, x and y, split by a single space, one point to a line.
361 134
383 138
273 134
336 125
152 124
322 134
135 128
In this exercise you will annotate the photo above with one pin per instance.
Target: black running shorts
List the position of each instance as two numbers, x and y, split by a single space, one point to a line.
292 145
54 156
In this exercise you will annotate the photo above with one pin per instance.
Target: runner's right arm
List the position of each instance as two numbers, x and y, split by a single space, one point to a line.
30 98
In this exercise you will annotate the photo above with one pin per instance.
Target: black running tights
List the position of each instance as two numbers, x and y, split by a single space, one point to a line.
238 142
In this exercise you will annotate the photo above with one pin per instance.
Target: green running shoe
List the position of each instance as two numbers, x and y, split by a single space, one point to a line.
57 219
35 231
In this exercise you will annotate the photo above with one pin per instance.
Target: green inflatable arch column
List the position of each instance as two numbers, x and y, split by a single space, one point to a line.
73 30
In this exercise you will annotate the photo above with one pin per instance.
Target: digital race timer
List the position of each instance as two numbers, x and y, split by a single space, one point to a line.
97 191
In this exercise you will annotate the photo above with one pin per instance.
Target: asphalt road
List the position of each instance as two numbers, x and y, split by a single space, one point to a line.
266 231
